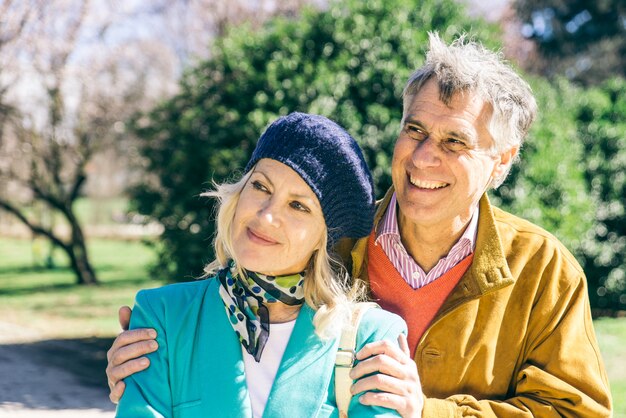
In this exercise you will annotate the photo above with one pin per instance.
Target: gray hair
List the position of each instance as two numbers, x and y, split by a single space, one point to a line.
467 66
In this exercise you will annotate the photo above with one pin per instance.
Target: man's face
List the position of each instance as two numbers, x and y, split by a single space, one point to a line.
442 161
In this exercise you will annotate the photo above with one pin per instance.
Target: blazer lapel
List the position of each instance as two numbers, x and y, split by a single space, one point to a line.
221 367
303 377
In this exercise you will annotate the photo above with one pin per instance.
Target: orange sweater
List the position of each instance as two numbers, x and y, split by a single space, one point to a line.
417 307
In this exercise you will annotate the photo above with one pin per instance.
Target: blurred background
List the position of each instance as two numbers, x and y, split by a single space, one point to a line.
115 115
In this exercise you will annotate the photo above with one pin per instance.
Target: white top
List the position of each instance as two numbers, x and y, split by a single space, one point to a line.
260 376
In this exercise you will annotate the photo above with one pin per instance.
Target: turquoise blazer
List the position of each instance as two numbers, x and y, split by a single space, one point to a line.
198 370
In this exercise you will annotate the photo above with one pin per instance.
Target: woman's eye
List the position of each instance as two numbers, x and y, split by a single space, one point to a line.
257 185
299 206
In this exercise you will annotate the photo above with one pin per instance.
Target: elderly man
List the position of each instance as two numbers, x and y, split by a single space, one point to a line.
497 308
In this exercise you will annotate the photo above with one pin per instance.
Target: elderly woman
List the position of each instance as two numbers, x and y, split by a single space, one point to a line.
260 336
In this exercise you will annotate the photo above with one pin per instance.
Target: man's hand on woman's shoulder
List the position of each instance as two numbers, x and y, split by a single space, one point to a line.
125 355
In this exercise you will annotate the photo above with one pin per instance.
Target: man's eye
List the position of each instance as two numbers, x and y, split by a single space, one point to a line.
416 133
454 144
299 206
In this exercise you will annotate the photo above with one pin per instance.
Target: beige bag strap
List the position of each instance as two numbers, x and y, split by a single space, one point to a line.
346 355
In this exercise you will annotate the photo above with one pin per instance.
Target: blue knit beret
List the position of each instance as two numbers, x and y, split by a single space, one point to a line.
330 161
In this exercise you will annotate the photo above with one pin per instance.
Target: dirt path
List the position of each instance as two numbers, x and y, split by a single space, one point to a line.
42 378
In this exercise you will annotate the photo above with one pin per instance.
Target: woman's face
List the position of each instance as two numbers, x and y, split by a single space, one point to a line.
278 221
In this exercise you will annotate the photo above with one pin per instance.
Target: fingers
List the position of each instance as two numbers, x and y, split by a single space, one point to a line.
383 357
115 374
407 407
404 394
124 356
404 344
387 400
387 376
127 338
380 347
378 364
379 382
124 317
116 391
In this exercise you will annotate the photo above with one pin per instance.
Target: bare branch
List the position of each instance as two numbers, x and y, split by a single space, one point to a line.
35 228
13 31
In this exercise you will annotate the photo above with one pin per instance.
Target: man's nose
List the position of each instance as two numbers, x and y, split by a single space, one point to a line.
427 153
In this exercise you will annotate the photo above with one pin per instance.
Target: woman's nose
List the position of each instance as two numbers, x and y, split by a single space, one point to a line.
269 213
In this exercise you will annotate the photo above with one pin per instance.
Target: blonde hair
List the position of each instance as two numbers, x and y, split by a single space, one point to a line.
327 286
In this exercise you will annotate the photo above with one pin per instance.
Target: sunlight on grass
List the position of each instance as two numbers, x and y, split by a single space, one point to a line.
49 301
611 333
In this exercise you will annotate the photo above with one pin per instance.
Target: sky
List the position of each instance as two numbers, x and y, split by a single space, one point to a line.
490 9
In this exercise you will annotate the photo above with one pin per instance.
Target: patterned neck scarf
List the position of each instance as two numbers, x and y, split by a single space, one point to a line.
245 298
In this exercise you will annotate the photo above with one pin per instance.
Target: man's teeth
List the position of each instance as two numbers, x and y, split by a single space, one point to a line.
427 184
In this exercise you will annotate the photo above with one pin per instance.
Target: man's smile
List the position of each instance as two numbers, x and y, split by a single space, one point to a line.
426 184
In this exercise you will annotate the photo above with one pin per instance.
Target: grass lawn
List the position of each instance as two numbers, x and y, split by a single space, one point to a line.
611 333
49 301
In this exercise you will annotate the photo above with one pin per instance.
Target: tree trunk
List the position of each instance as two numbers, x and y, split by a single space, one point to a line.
77 252
75 249
79 261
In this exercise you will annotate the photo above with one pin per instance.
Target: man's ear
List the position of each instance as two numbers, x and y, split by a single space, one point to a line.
504 161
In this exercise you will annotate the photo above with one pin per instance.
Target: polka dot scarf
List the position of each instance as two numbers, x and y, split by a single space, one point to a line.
245 298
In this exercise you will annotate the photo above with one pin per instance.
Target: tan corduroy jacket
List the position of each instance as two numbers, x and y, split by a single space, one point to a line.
515 337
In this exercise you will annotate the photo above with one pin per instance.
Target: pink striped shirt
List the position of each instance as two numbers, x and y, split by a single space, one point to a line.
388 237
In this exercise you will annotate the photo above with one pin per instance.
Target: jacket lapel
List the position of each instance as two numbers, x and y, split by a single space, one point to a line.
222 371
303 377
489 270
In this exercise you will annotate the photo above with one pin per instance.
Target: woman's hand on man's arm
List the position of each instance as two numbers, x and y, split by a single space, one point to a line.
393 373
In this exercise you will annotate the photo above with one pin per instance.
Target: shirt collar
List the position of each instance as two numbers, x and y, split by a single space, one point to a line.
389 222
389 225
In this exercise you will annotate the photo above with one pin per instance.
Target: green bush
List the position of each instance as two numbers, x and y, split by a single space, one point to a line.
349 62
602 127
548 186
572 180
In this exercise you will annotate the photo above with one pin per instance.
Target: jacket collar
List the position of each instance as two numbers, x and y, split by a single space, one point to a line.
489 270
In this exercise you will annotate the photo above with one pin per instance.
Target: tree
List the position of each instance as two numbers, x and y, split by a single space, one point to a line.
585 40
11 28
67 107
602 127
348 62
188 26
548 186
572 180
38 158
